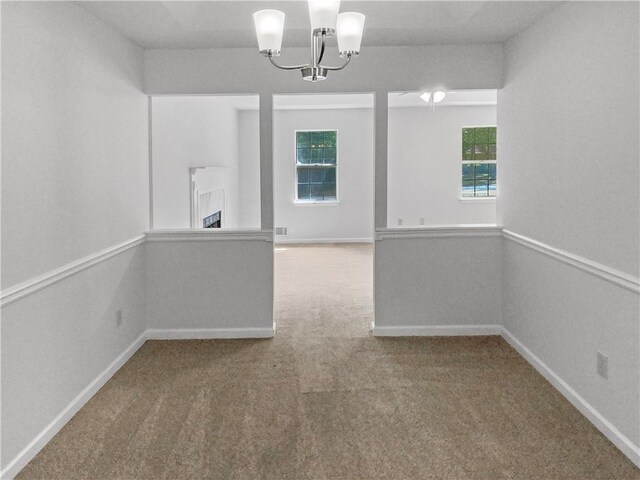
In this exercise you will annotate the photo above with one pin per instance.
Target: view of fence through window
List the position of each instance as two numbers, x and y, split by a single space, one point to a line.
479 162
316 163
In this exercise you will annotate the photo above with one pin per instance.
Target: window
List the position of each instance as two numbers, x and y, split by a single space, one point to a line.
479 162
316 164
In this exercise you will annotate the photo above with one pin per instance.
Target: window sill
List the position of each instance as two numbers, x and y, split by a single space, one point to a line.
477 199
320 203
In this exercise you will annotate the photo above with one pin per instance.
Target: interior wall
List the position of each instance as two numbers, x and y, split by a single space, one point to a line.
351 218
210 285
192 131
74 131
249 164
425 166
239 70
440 281
568 142
74 183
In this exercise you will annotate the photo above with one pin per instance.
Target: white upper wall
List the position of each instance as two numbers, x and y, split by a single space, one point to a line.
198 131
569 127
425 166
352 216
74 138
242 70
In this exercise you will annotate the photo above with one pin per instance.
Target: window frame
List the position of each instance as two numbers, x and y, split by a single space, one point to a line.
303 201
462 198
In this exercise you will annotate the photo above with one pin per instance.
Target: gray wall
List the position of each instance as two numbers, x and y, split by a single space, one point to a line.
352 217
433 281
74 182
205 285
568 143
425 166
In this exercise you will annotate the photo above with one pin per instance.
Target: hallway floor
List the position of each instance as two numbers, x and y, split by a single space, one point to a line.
324 399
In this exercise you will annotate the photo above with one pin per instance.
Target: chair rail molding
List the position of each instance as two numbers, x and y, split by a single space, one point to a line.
207 235
599 270
443 231
21 290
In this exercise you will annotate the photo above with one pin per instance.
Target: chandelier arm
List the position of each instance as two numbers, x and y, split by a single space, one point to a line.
340 67
286 67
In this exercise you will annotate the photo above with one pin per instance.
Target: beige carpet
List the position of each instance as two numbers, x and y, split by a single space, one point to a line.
326 400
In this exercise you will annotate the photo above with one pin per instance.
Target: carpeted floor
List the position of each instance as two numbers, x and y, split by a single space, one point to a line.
326 400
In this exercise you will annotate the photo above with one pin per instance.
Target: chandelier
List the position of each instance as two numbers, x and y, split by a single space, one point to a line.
325 21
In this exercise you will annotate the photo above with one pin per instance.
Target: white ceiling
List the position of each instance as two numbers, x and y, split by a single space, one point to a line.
209 24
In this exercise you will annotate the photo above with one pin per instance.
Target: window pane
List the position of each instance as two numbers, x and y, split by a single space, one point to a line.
480 152
316 192
467 152
302 139
467 188
315 175
329 155
316 155
304 155
467 171
303 192
467 136
481 135
492 152
329 191
303 175
492 187
492 170
482 170
330 139
317 139
330 175
492 134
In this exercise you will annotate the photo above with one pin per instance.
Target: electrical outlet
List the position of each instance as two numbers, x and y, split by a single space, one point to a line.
421 220
603 365
119 317
399 221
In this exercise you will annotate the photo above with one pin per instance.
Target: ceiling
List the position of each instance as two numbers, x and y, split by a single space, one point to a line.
211 24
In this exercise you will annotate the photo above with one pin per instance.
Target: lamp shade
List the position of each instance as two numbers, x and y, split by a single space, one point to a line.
324 14
269 27
350 27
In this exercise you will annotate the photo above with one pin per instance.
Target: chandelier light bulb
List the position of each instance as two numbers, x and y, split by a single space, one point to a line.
425 97
438 96
269 28
349 31
323 15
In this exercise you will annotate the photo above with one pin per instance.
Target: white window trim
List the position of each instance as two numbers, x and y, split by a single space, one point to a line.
311 203
467 162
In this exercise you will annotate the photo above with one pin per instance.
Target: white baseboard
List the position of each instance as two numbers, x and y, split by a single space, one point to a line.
616 437
436 330
31 450
208 333
289 241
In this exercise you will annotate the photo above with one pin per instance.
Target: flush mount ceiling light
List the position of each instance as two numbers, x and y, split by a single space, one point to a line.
437 97
325 21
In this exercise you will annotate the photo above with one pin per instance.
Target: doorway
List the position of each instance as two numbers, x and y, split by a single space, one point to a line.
323 214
